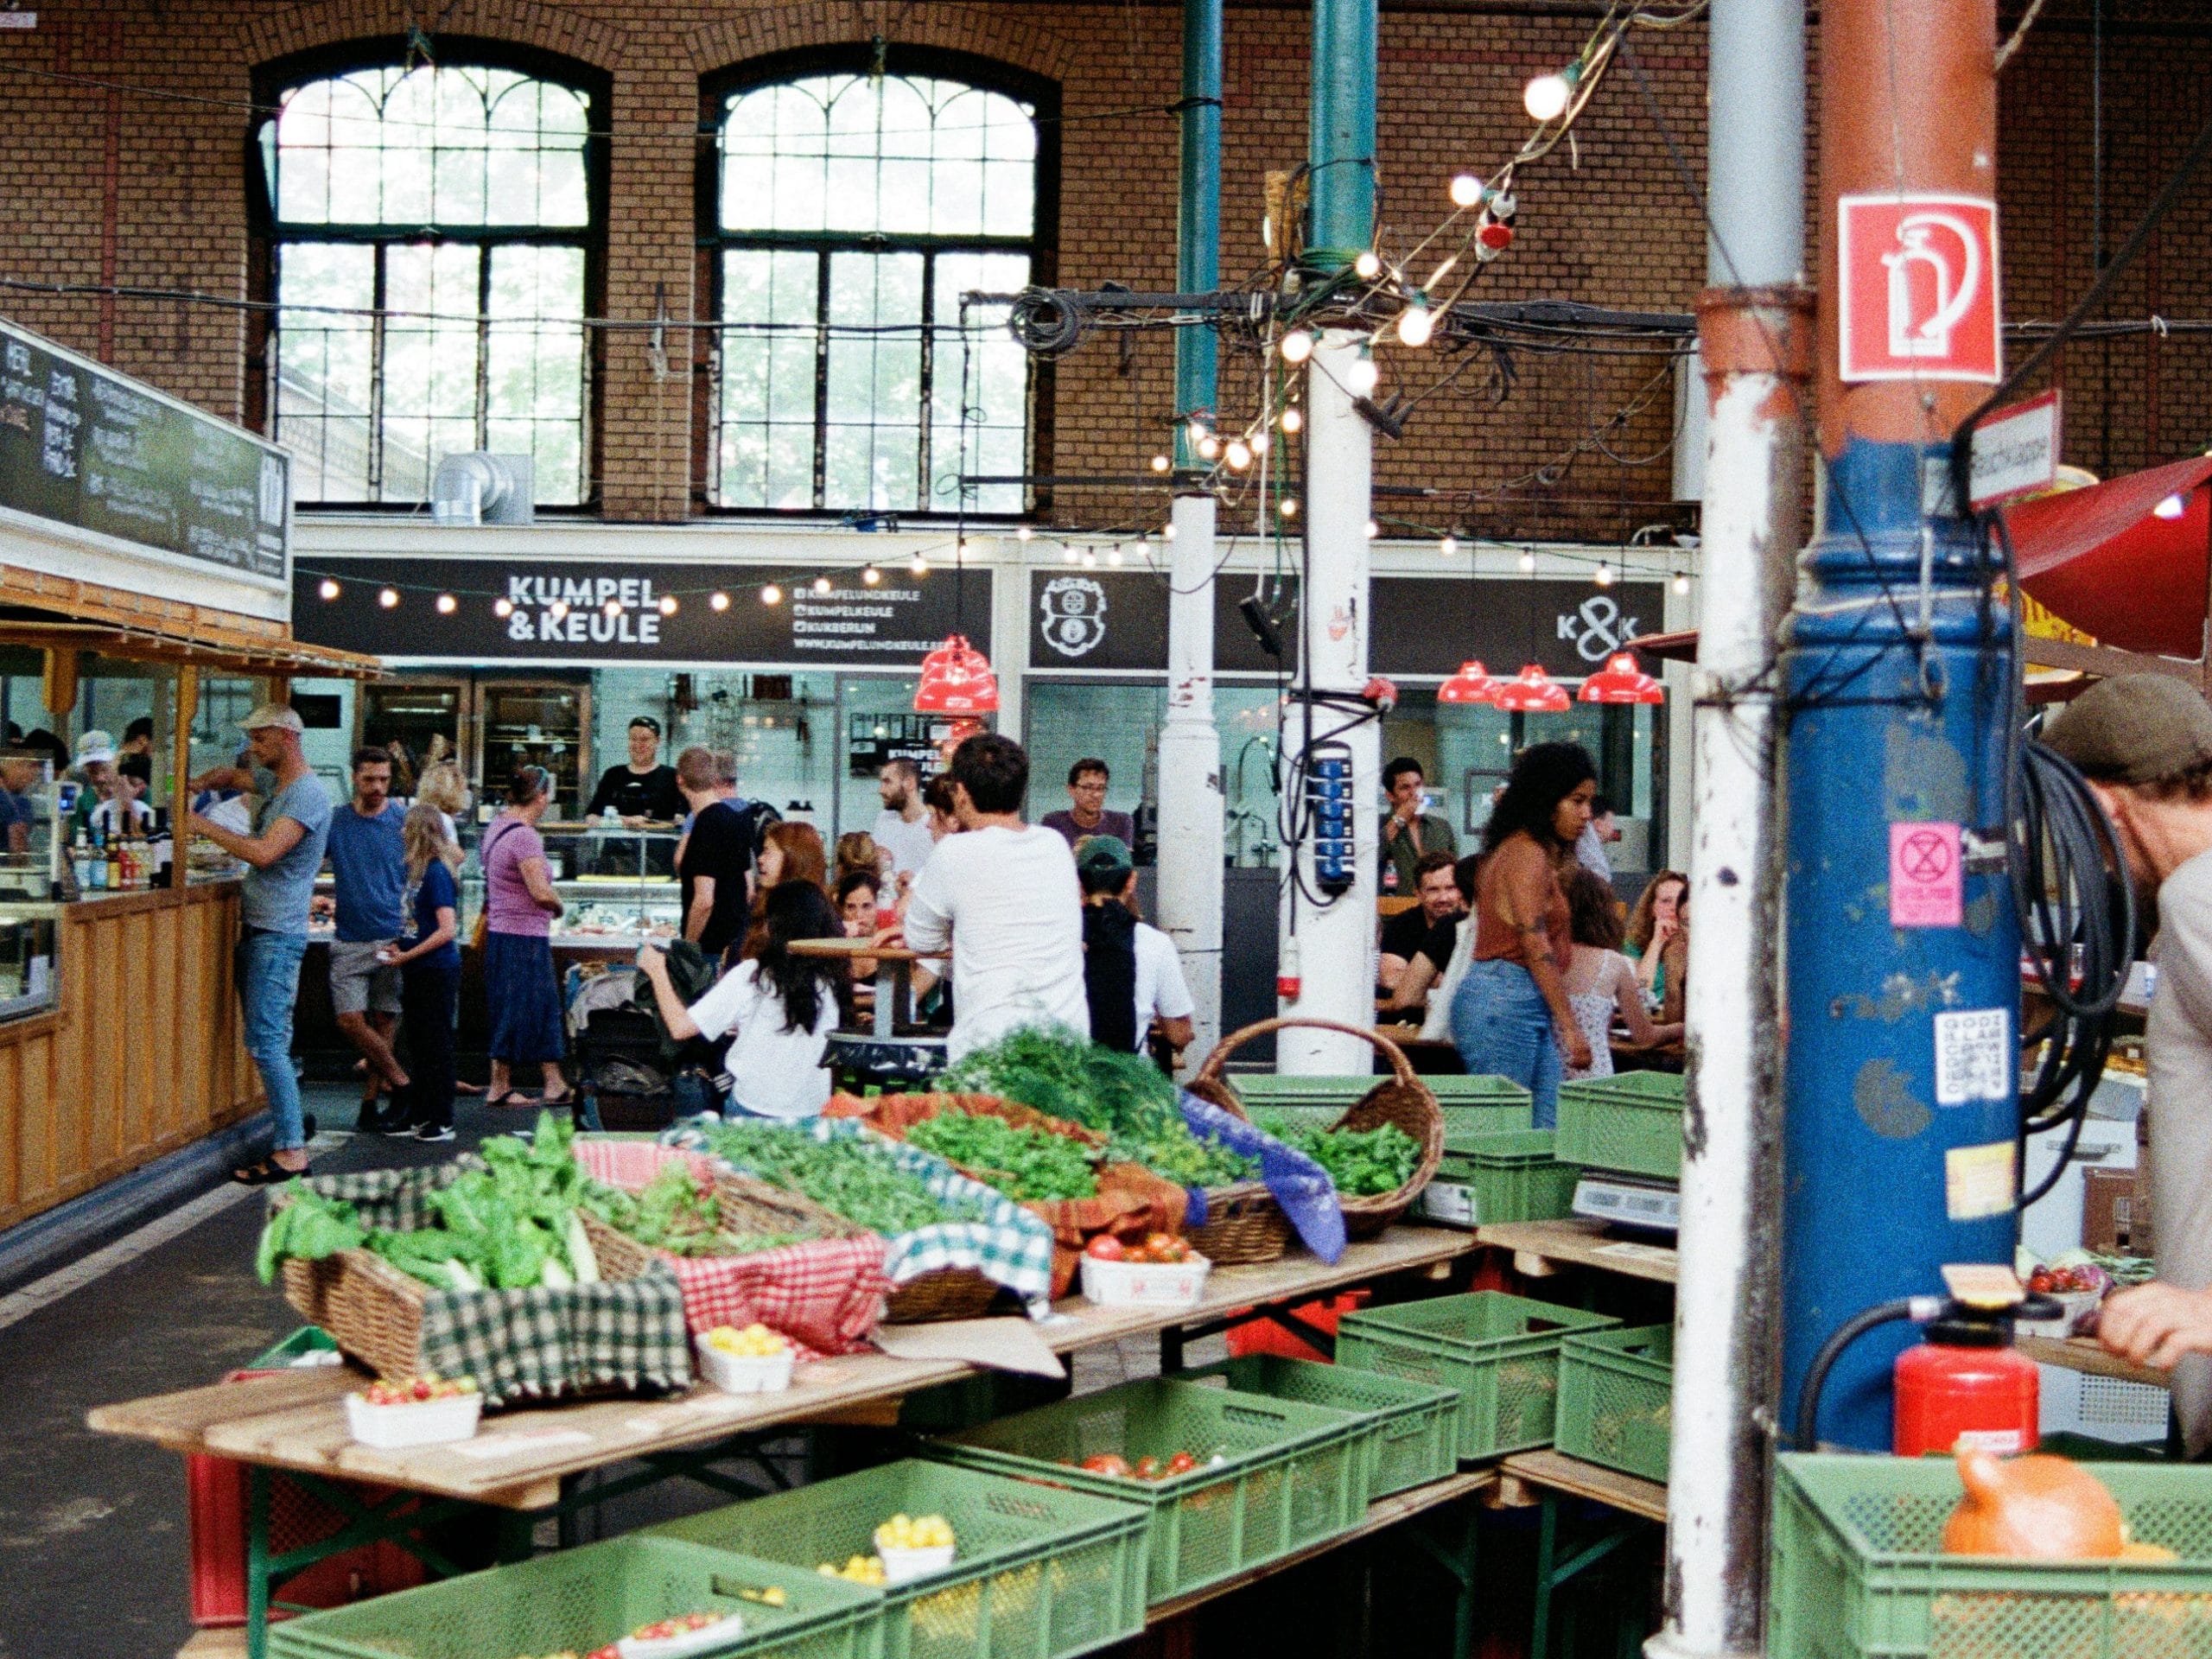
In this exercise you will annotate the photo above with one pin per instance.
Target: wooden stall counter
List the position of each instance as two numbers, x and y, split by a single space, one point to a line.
141 1054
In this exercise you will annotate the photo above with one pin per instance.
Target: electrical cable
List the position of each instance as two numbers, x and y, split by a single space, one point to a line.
1816 1375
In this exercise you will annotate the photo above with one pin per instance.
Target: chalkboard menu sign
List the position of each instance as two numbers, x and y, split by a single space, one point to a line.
84 447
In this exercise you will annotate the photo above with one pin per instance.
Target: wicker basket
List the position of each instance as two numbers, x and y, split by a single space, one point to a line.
948 1293
1401 1098
751 1205
374 1311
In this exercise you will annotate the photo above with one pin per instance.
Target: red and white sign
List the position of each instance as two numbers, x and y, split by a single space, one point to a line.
1927 875
1917 274
2016 449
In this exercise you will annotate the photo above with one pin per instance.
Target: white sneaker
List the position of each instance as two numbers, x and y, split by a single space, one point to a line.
426 1132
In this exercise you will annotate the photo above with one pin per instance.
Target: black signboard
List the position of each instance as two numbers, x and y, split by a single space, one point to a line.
84 446
565 612
1421 625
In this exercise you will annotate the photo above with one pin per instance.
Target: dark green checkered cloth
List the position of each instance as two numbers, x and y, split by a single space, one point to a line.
626 1336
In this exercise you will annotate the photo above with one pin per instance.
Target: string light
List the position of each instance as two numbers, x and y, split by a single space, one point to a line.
1467 190
870 574
1258 443
329 589
1546 97
772 594
1022 532
1681 583
1367 264
1240 455
1209 448
1362 377
1604 576
720 602
1287 506
822 584
1297 347
1528 560
1448 546
1090 559
1196 429
1072 555
558 610
1373 530
1167 532
1114 556
668 605
612 609
1292 421
388 598
503 606
447 604
1160 463
919 565
1416 323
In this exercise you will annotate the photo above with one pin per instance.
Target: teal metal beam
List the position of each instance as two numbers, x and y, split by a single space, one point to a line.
1341 150
1197 260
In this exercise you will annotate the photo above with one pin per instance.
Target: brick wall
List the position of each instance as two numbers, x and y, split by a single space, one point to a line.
112 186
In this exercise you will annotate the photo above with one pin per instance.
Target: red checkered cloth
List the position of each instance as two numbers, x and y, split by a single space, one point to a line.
825 1297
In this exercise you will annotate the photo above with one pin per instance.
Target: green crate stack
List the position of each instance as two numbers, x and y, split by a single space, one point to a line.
580 1601
1408 1438
1499 1353
1858 1570
1483 1179
1471 1106
1040 1574
1630 1124
1617 1399
1288 1475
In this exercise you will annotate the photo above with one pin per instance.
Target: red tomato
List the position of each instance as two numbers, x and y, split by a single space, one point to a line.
1106 1247
1181 1464
1105 1463
1147 1469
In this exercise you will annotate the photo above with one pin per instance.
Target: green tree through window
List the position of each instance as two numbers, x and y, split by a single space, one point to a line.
852 212
431 231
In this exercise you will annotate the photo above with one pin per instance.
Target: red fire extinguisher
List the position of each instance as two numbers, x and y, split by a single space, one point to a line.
1964 1385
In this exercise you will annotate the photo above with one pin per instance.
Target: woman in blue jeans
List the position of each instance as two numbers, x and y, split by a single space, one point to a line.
1512 1017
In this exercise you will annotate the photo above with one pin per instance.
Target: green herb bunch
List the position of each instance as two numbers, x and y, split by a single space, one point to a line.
675 1211
853 1178
1026 1164
1364 1163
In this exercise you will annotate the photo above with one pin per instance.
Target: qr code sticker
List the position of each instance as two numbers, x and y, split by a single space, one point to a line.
1973 1056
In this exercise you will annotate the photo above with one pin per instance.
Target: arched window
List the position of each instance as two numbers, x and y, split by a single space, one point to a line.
851 210
432 229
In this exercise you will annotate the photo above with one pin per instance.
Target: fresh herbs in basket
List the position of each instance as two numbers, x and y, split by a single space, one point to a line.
1027 1165
1364 1163
850 1178
678 1211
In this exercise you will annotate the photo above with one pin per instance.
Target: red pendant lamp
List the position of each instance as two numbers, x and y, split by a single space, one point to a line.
957 679
1622 681
1473 683
1532 691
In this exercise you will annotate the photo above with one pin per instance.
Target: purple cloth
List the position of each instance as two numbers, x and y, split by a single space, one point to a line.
1120 825
508 907
1301 1186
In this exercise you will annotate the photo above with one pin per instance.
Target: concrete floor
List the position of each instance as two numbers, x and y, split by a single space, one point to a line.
93 1551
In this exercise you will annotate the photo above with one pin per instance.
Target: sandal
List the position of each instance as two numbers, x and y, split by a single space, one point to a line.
561 1099
269 1173
514 1101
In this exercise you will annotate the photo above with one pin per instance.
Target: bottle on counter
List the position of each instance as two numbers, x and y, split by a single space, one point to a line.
164 871
80 860
115 863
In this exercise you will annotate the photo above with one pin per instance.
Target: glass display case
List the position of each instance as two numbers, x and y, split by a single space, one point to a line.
618 885
36 873
535 723
29 984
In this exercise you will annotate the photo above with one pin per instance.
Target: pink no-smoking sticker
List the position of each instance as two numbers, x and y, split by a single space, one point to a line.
1926 878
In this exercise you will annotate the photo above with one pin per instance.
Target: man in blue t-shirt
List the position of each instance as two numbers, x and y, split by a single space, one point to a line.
370 864
19 776
291 821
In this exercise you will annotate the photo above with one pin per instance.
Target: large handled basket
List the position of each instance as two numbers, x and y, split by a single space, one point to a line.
1401 1099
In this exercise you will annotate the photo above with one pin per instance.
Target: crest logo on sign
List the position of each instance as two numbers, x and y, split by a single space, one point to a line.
1596 629
1919 283
1073 620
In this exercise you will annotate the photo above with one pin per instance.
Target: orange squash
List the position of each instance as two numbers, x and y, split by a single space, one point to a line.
2035 1508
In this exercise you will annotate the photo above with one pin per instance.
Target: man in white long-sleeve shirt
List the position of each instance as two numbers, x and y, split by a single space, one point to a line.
1003 895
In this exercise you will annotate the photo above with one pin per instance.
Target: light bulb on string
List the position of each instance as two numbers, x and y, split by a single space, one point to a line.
1209 448
447 604
1287 506
668 606
1297 347
822 584
1361 378
919 565
503 606
1681 583
772 594
1114 556
1292 421
388 598
1022 532
1167 532
1196 431
1546 97
1367 264
1160 463
1072 555
1416 323
1239 454
870 574
1604 576
1528 560
559 610
329 589
1090 559
611 609
1448 546
1373 530
720 602
1260 442
1467 191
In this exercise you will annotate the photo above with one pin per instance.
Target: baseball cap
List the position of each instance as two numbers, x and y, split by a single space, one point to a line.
281 716
2134 729
1104 855
94 748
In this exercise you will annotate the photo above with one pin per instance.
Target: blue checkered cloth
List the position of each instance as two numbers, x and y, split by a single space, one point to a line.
1301 1186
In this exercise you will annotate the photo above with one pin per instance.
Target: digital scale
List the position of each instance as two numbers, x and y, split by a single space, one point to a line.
1625 1201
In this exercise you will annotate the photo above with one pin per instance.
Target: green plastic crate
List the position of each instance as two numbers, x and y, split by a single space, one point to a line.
1630 1124
295 1350
1471 1106
1617 1399
1513 1176
1290 1474
1500 1354
1858 1571
582 1599
1041 1573
1408 1440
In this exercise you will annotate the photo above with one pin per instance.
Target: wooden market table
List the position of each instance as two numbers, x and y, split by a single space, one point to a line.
1542 1247
2090 1357
292 1425
894 974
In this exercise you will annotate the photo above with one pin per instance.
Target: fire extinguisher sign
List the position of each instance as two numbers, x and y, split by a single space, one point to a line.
1919 285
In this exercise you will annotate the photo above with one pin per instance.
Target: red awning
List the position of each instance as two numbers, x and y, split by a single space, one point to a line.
2106 561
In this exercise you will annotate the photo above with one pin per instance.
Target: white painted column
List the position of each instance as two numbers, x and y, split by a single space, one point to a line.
1335 943
1008 575
1190 805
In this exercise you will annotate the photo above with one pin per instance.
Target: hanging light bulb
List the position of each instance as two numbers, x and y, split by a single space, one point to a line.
919 565
1362 377
772 594
1604 576
1297 347
611 609
1072 555
1209 448
1546 97
329 589
1260 442
668 606
1528 560
1090 558
1114 556
503 606
720 602
1196 429
1160 463
1287 506
388 598
447 604
1448 546
1239 453
1367 264
1373 530
1292 421
1022 532
870 574
1416 323
559 610
1681 583
963 550
1167 532
1467 191
822 584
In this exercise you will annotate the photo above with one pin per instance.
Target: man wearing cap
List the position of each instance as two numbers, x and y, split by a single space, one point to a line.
1131 975
291 825
93 771
2145 743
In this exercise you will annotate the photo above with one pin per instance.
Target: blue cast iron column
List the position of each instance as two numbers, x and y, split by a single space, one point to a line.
1341 147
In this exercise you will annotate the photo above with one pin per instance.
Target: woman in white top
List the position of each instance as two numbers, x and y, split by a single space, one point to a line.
1601 983
778 1009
